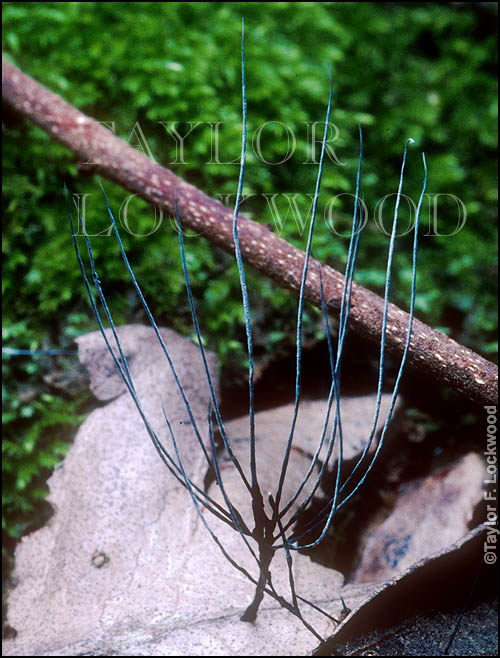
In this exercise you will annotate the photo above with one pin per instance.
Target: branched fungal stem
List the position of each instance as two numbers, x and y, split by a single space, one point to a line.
272 531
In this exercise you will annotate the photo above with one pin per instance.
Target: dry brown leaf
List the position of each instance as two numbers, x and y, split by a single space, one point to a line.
428 515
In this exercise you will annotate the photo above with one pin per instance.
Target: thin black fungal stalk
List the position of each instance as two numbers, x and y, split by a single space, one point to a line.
288 555
385 313
241 272
408 335
154 326
237 518
334 366
326 321
332 503
301 301
121 364
315 522
213 397
270 531
97 284
264 527
235 515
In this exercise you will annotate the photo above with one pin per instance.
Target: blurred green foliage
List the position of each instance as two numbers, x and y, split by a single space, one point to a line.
425 70
29 457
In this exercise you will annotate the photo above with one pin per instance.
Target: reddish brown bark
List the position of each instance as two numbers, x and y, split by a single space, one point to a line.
431 351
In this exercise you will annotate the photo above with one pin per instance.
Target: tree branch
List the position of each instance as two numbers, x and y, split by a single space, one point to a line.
431 351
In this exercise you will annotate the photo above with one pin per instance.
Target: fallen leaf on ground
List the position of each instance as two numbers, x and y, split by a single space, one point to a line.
428 515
